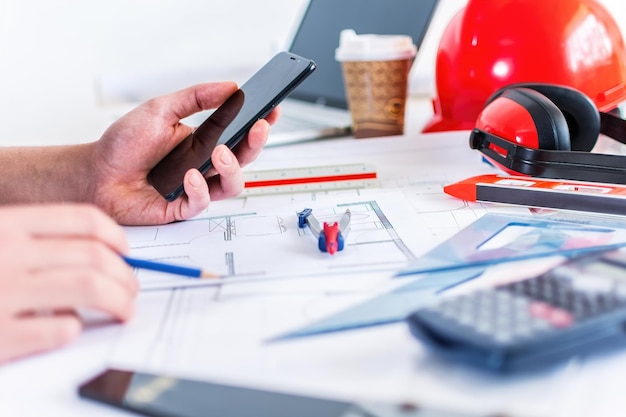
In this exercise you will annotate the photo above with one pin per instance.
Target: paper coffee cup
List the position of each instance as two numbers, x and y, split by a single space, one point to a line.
376 77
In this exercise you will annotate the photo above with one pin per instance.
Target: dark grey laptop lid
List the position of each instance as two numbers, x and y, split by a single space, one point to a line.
318 36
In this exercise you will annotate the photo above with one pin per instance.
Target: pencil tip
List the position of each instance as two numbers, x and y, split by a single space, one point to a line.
209 275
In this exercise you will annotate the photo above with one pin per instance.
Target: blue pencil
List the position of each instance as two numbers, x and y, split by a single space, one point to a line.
169 268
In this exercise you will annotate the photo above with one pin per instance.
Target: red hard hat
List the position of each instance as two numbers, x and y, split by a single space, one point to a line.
491 44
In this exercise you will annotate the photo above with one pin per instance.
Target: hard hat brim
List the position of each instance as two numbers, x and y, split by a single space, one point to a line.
438 124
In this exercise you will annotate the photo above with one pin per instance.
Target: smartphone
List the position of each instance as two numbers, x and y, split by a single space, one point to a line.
231 121
163 396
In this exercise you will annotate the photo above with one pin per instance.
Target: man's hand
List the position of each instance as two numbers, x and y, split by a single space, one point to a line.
135 143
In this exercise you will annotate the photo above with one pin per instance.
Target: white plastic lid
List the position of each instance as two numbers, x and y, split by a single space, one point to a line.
371 47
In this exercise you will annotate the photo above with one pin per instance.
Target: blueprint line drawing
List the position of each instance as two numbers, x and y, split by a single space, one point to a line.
179 328
268 242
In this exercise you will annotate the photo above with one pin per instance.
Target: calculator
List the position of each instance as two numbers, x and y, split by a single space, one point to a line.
577 307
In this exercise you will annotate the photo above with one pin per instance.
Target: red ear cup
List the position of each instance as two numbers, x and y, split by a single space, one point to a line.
517 126
509 120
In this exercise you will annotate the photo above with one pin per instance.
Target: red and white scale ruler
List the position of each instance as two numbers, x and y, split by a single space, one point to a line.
312 178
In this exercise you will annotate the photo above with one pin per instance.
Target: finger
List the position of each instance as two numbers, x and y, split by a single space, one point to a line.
197 197
191 100
70 220
274 115
250 148
64 289
52 254
229 182
29 335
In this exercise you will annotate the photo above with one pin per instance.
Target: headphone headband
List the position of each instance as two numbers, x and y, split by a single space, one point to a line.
613 127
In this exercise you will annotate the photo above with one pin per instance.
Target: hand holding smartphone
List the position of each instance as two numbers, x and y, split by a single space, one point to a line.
229 124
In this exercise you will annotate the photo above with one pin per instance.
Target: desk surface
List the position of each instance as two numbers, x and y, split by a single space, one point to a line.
382 362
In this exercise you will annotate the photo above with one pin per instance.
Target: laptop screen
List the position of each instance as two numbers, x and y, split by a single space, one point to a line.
318 36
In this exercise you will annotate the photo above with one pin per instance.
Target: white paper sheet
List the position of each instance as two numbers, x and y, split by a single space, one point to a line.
221 332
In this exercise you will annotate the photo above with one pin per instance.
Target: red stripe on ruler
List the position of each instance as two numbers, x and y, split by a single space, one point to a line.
309 180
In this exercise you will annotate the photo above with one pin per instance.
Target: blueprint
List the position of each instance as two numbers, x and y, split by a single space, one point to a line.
290 281
286 282
266 242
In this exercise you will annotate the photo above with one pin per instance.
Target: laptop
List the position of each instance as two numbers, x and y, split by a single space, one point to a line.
318 107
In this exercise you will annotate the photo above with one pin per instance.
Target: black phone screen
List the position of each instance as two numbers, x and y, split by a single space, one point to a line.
161 396
231 121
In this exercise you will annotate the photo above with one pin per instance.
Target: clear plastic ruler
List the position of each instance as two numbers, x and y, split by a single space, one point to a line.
310 178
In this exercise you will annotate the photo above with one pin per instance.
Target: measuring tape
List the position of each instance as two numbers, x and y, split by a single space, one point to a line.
312 178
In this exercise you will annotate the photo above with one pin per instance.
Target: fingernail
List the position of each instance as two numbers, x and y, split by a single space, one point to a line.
195 179
226 158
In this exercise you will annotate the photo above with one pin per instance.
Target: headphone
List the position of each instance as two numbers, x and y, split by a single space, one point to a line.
548 131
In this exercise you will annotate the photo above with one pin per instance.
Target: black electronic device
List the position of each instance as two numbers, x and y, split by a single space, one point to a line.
230 123
576 307
164 396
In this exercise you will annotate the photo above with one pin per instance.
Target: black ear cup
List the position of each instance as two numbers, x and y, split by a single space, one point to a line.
551 125
581 114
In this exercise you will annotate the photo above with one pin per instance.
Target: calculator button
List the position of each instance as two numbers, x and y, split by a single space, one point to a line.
591 283
524 328
484 327
503 337
580 306
557 317
539 325
560 318
539 309
503 321
466 319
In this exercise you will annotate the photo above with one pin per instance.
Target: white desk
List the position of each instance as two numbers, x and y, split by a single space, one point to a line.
382 362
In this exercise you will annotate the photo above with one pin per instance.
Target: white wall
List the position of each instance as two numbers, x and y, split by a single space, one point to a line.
61 61
54 54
